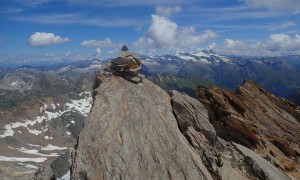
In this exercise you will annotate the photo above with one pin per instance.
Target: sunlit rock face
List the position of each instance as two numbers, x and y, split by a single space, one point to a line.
257 119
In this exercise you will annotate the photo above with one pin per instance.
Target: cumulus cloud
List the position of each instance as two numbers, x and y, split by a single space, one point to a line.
283 42
163 33
104 43
230 43
275 45
167 10
281 5
42 39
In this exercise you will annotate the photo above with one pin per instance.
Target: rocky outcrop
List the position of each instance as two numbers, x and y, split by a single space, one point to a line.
139 131
191 113
258 120
221 158
44 172
60 166
126 65
132 133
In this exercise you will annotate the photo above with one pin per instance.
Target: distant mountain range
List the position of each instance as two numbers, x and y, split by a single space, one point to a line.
182 71
185 71
42 112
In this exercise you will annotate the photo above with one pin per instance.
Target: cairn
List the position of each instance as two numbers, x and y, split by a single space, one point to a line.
125 65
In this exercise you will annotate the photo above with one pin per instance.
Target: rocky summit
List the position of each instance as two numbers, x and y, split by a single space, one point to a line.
137 130
125 65
132 133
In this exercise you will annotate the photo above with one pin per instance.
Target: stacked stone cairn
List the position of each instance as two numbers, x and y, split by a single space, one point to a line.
126 65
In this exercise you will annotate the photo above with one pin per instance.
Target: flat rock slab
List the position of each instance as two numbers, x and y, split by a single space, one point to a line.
260 164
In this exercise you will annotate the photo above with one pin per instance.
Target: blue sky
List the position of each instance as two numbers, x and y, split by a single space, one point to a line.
66 30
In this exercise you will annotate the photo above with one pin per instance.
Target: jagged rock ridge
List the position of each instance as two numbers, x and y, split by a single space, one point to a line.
140 131
257 119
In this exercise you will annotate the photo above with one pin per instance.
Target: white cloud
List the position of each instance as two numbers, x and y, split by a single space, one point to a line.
275 45
212 46
163 33
281 5
104 43
79 18
283 42
42 39
168 10
229 43
285 25
13 10
98 51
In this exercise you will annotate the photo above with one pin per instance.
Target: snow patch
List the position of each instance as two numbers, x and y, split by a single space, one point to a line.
34 152
66 176
31 166
205 61
47 137
33 145
28 165
185 57
201 54
82 105
51 147
53 106
35 132
19 159
94 66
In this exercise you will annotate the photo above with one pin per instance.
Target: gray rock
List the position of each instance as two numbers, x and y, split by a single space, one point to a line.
141 76
106 73
227 172
134 79
131 133
261 167
191 112
60 166
44 172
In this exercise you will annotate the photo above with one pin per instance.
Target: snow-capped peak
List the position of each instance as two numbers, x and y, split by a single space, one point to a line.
206 57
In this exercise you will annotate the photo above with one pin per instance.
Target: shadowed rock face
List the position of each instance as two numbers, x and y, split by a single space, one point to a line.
257 119
132 133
